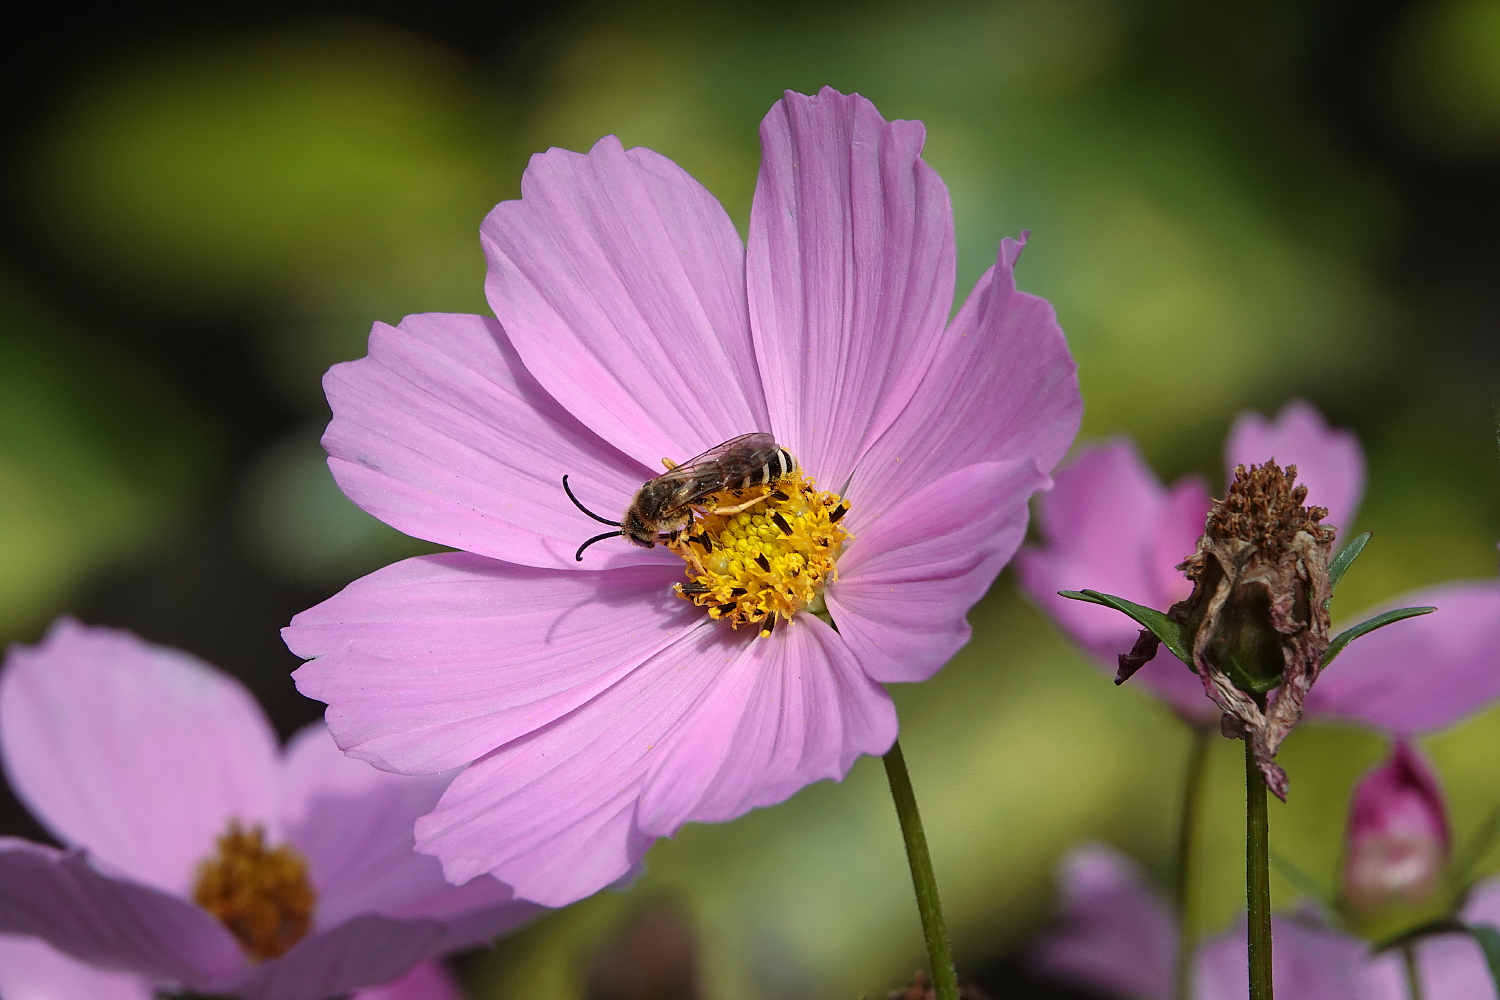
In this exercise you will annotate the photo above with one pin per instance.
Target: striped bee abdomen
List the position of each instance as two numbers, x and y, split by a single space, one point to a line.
781 463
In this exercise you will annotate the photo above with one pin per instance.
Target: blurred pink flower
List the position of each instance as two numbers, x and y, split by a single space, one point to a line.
1116 934
31 969
594 708
1397 844
137 758
1109 525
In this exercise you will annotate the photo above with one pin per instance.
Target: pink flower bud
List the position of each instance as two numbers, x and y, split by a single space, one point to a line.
1398 839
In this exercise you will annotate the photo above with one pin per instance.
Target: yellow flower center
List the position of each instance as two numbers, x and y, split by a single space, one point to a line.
759 554
262 895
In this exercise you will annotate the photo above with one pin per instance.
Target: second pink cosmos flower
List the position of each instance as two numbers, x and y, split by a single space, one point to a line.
596 709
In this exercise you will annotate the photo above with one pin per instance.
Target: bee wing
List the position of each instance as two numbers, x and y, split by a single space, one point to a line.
755 447
728 462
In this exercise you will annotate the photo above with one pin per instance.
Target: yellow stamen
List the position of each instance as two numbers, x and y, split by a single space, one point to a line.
262 895
768 559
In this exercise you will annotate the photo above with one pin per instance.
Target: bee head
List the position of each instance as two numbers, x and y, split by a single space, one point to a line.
636 530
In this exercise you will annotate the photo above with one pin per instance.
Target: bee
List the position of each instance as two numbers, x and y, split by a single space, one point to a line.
664 507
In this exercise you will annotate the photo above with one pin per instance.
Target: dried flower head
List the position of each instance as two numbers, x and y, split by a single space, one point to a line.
1258 613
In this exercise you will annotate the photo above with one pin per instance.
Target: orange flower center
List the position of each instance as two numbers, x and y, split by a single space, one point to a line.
262 895
769 559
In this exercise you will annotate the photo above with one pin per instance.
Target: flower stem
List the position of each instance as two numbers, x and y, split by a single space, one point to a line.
1413 973
939 951
1187 853
1257 878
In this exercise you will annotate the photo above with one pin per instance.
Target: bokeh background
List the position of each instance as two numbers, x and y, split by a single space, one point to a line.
1231 205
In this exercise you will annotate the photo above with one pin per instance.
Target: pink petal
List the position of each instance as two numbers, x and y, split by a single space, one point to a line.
620 280
907 581
1422 674
30 969
1308 963
354 825
1483 904
138 752
1115 932
428 981
442 433
785 712
1002 387
850 274
1452 967
1181 522
555 813
1108 525
1329 462
476 913
365 951
59 897
433 662
1099 525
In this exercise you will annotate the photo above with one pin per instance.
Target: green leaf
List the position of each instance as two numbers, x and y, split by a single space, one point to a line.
1349 635
1173 635
1346 556
1488 940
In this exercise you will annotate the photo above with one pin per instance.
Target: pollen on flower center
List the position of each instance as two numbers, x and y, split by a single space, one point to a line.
768 559
262 895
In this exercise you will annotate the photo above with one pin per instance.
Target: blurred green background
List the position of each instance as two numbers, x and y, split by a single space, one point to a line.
206 206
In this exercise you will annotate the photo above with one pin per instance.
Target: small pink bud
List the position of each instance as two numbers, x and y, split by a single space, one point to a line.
1398 840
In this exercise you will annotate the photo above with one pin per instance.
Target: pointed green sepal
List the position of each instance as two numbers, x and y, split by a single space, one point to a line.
1349 635
1172 634
1345 559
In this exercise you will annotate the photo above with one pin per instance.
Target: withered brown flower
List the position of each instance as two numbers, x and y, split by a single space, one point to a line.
1258 614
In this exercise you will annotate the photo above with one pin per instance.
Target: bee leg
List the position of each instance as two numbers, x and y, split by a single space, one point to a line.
739 507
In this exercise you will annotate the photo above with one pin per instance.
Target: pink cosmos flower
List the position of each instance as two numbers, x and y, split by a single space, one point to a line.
1116 934
595 708
163 778
1110 526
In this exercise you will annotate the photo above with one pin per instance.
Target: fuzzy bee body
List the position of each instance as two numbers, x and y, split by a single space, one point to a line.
663 507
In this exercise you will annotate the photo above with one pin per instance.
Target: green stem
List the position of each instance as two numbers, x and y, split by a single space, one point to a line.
1257 878
1413 974
939 951
1187 852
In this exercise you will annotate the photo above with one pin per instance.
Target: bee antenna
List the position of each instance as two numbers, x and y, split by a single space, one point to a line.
597 538
602 520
